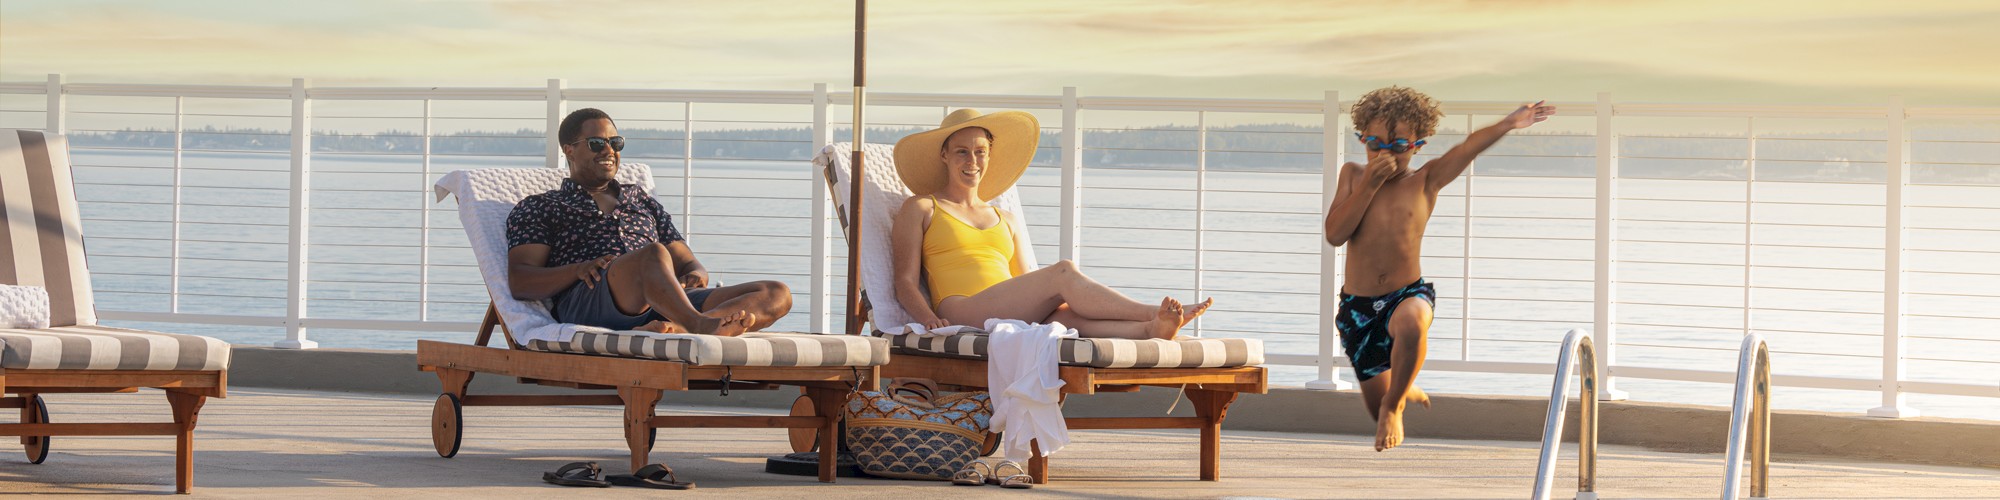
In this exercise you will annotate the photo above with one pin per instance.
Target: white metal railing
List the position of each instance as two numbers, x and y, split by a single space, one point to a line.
1576 351
1494 272
1750 422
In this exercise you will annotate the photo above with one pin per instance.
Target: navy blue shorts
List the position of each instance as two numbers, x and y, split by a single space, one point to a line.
593 306
1364 326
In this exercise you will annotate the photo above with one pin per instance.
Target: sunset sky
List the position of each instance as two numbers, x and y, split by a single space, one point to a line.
1835 51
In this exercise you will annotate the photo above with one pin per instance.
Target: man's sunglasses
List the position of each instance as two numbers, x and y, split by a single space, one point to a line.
597 144
1399 146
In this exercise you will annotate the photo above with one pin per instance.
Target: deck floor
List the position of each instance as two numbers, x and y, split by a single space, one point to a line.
263 443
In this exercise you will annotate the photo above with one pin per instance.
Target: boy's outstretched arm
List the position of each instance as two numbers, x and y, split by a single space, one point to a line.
1446 168
1354 191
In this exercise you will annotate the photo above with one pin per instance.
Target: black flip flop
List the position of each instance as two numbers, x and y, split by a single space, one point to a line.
651 476
577 474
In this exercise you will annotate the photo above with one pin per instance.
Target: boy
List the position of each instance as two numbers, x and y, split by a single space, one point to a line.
1382 209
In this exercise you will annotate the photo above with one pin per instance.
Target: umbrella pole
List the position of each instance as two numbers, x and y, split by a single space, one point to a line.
854 311
807 463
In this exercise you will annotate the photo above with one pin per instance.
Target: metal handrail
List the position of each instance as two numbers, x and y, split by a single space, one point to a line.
1577 341
1751 423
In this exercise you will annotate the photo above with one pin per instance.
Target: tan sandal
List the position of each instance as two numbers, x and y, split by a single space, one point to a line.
1019 480
973 474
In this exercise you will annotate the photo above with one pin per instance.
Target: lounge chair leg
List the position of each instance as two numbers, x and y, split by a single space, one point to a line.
639 422
455 382
1212 406
186 406
1038 465
830 406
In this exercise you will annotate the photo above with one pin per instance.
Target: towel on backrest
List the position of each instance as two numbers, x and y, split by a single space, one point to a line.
1021 374
882 194
485 197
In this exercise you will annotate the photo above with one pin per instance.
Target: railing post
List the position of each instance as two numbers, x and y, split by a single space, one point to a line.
424 237
57 112
1072 179
1200 207
174 260
295 286
554 127
1892 267
1604 316
1333 151
687 167
819 292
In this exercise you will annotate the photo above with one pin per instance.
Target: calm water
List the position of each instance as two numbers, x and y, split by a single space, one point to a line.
1816 294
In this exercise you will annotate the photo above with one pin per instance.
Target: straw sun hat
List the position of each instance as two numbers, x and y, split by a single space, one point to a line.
920 161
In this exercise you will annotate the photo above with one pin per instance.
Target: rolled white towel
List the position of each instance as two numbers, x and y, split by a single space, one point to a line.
24 307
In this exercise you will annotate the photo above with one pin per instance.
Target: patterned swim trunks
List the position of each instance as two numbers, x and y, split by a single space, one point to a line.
1364 326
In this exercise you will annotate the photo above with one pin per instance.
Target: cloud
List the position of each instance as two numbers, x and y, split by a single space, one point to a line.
1713 50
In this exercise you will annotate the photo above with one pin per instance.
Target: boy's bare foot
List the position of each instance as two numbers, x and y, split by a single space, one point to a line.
1190 313
726 326
662 326
1167 322
1417 395
1389 429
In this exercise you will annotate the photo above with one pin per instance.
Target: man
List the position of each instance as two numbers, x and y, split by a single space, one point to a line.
609 255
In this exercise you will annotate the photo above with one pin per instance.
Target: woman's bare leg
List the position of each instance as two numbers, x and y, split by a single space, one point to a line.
1093 309
1036 294
1102 328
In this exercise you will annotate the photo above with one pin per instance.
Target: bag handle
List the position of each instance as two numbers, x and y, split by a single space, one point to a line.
925 389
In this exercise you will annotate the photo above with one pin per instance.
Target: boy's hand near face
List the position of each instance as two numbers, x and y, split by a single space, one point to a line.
1382 169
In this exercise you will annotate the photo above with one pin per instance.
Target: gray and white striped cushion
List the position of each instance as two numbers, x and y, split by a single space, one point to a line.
81 347
41 240
750 349
1104 353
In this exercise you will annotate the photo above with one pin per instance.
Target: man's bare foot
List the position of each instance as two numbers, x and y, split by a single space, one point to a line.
1188 314
662 326
1389 429
726 326
1167 322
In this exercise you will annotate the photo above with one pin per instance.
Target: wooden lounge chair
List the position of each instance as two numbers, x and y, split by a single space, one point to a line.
41 245
637 365
1212 371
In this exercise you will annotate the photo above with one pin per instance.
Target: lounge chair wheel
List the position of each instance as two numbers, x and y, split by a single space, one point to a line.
447 425
37 412
803 440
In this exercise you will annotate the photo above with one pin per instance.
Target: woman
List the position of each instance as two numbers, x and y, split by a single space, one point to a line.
972 251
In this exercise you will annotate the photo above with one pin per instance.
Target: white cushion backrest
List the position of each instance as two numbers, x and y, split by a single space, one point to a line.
485 197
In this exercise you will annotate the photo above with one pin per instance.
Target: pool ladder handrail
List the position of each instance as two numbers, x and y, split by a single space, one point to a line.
1576 342
1751 423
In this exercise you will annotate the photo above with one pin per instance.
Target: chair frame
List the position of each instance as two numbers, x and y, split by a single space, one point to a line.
638 385
1211 390
186 392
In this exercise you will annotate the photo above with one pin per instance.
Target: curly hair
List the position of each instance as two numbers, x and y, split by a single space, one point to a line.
1397 106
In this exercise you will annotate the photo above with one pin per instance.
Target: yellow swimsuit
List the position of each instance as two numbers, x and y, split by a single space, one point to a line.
963 260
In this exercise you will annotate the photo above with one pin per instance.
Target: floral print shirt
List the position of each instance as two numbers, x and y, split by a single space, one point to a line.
568 221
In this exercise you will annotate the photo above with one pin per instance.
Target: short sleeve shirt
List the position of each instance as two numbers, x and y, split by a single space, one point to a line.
568 221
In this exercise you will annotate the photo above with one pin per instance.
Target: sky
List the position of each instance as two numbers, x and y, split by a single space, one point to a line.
1776 52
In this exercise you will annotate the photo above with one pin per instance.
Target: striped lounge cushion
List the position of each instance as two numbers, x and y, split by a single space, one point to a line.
750 349
41 240
1104 353
107 348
